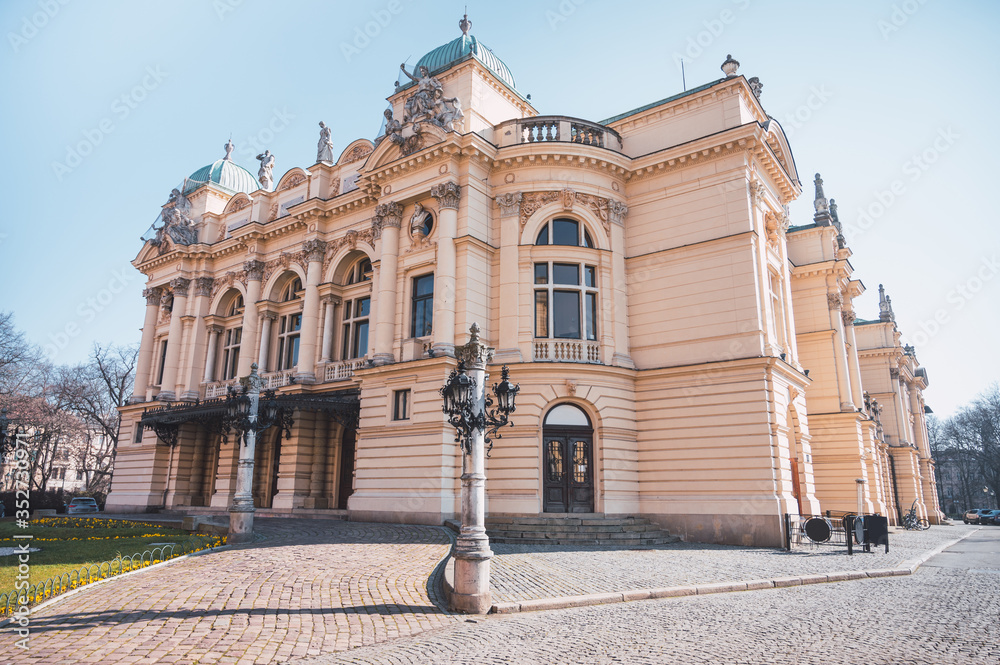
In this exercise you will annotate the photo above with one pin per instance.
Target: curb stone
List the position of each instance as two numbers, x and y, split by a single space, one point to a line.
563 602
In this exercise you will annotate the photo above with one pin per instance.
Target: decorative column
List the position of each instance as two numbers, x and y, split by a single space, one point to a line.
388 217
857 394
510 209
472 548
145 361
241 511
326 350
179 288
835 301
255 272
305 371
202 301
447 195
267 319
619 293
214 332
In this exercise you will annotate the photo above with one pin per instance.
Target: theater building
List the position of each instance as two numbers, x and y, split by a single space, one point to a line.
637 275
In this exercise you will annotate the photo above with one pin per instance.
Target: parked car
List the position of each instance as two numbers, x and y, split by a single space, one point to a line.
972 516
989 516
82 504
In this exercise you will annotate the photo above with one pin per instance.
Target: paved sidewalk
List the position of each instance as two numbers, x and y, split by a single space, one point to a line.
313 587
530 572
310 587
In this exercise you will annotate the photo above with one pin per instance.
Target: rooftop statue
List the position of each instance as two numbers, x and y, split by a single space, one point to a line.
265 175
324 151
177 225
393 128
229 150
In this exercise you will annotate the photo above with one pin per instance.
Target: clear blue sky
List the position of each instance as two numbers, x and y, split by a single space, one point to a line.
893 102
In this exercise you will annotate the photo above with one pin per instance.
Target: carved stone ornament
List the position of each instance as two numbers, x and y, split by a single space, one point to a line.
357 153
293 181
314 250
834 300
239 204
755 86
848 317
389 214
351 239
152 296
273 213
894 373
179 286
335 188
616 212
284 262
228 280
203 286
447 195
568 197
254 270
608 210
532 201
510 204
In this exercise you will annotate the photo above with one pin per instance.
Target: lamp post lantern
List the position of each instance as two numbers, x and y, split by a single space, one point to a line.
466 404
245 415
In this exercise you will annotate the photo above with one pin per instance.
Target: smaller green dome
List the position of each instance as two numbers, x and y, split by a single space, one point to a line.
225 173
459 48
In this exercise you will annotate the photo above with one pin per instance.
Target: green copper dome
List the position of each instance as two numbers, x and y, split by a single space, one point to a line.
459 48
225 173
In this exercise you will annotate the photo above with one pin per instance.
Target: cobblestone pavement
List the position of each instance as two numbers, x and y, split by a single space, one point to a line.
526 572
938 615
310 587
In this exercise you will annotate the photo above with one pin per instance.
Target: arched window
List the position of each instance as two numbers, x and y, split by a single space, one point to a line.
291 290
232 337
361 271
564 232
235 306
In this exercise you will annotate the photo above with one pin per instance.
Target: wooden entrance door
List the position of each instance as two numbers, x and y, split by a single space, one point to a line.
568 485
345 485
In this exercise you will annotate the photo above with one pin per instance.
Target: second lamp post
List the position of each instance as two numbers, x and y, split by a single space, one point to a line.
467 406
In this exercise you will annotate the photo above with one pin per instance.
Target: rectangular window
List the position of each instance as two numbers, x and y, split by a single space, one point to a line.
288 340
421 323
541 273
541 313
163 361
401 405
591 313
566 314
138 434
591 276
565 273
231 352
360 339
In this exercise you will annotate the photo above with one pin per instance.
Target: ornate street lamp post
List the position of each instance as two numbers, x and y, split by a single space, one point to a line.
466 404
245 415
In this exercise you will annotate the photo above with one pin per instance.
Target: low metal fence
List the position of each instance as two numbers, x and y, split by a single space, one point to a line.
32 594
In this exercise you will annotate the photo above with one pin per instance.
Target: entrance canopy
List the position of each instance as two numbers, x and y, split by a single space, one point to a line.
343 406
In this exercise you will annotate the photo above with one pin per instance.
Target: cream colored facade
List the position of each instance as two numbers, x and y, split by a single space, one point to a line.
695 317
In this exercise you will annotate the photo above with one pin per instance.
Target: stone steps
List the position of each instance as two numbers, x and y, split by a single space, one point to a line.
577 529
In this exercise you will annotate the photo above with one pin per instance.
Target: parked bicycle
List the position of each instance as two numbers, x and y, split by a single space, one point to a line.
913 523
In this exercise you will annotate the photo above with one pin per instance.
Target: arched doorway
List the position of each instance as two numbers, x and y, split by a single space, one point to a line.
568 475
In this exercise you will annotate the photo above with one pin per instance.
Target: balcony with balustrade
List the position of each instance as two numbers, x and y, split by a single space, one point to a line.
566 351
556 128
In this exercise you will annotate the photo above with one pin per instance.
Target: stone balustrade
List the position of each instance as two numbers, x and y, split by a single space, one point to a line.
557 128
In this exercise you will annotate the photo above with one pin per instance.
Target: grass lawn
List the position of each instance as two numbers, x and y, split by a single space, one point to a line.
68 544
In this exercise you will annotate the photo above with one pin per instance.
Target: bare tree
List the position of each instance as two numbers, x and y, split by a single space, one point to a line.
93 392
966 450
